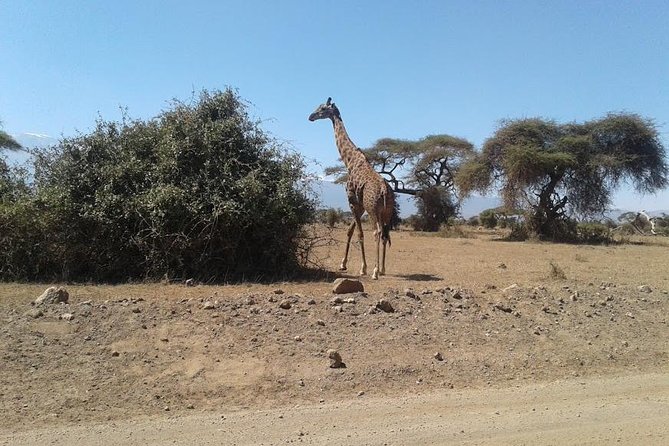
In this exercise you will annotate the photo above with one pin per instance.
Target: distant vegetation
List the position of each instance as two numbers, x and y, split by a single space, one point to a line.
200 191
556 172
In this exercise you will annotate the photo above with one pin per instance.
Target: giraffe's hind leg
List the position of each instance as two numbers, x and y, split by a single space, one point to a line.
349 234
377 240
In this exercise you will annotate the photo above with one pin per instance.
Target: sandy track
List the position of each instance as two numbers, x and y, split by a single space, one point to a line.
611 410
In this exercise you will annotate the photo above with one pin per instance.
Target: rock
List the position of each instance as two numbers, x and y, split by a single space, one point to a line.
502 307
438 356
457 295
511 287
501 266
278 291
190 282
346 286
53 295
644 289
335 359
34 313
115 353
208 305
67 316
384 305
361 393
285 304
320 322
311 302
410 294
136 310
298 338
336 300
349 300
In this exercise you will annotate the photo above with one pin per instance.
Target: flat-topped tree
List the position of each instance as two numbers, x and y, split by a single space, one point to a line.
423 168
554 171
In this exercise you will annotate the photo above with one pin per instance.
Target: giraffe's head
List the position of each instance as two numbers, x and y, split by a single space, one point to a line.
327 110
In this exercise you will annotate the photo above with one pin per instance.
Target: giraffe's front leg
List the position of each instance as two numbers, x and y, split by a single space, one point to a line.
361 240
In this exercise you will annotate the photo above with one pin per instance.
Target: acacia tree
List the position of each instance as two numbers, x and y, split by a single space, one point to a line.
424 169
556 171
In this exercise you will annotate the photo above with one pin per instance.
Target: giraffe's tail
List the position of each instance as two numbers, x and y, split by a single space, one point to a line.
385 233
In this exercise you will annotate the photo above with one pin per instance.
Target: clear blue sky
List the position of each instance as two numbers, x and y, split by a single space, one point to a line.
396 69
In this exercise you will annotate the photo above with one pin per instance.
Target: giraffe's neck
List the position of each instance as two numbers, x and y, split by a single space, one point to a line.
348 151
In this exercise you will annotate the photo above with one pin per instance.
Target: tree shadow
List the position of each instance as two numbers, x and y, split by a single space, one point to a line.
419 277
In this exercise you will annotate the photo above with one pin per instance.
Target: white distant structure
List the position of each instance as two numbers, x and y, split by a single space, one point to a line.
640 217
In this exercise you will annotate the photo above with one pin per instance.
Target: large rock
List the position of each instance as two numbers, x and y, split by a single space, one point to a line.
345 286
53 295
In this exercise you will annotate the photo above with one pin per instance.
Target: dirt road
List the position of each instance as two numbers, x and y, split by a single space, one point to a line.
613 410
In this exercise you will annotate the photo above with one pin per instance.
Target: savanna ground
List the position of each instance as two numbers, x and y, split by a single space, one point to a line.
502 315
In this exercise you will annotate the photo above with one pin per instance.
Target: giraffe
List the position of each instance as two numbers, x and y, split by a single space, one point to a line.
366 190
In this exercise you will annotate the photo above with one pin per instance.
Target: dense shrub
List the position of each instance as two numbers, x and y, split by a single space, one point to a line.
593 233
488 218
200 191
435 206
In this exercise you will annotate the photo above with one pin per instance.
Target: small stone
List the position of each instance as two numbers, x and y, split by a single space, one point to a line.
190 282
410 294
335 359
67 316
361 393
190 406
278 291
457 295
644 289
336 300
438 356
35 313
511 287
385 306
574 297
502 307
346 286
311 302
208 305
285 304
136 310
349 300
501 266
338 309
164 340
320 322
115 353
166 408
298 338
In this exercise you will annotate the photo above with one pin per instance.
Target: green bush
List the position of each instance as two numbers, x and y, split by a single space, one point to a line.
200 191
593 233
488 218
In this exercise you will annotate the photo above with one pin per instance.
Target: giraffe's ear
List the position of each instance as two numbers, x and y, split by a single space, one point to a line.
329 101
